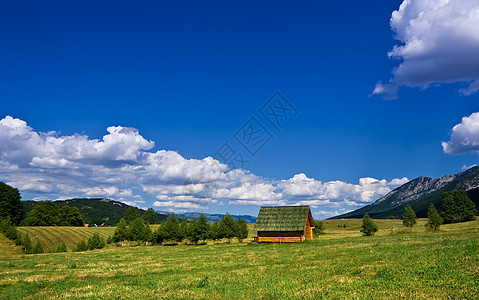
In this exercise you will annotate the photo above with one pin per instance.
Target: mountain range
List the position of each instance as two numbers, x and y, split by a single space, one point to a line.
419 193
211 217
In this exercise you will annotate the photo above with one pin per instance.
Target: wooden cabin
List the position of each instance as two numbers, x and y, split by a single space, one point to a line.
284 224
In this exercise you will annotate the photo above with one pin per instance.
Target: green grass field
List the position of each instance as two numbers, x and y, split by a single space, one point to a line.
341 264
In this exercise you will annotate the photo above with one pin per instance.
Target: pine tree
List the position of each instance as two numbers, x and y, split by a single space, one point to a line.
203 228
434 219
228 227
368 227
409 217
241 230
122 232
170 229
138 230
184 228
215 231
131 214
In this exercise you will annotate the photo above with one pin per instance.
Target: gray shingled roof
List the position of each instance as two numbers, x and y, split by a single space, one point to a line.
282 218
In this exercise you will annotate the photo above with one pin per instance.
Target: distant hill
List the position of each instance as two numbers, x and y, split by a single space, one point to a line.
419 193
212 217
94 211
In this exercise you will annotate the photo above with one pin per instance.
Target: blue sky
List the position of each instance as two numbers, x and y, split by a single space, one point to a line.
184 77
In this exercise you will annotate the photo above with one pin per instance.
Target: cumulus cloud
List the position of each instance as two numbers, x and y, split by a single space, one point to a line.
439 44
464 136
123 166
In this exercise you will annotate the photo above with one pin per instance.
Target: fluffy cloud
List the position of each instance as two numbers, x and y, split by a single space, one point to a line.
464 136
439 44
122 166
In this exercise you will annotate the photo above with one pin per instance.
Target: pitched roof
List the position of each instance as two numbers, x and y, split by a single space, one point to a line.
282 218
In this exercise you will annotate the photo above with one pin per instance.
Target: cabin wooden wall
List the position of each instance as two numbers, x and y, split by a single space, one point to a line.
280 236
308 231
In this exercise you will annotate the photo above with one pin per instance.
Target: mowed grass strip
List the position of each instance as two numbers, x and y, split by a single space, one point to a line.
52 236
421 264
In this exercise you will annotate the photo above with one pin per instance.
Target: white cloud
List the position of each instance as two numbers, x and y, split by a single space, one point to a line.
464 136
122 166
439 44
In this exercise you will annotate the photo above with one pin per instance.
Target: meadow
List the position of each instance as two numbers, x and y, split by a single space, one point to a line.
341 264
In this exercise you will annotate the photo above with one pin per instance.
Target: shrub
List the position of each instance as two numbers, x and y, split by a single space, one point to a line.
368 227
38 248
9 229
62 248
95 242
81 246
318 228
27 244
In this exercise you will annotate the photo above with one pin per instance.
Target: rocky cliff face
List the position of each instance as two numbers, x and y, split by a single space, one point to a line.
419 193
415 189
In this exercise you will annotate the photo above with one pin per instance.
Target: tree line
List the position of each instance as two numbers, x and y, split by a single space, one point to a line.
455 207
172 231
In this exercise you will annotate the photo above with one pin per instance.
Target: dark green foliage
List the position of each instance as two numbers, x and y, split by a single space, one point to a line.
457 207
8 228
122 232
139 230
170 229
27 244
10 205
109 240
45 213
37 249
318 228
151 216
158 236
368 227
95 242
69 216
198 230
131 214
434 219
184 228
215 233
409 217
95 210
61 248
11 233
81 246
19 240
228 227
241 230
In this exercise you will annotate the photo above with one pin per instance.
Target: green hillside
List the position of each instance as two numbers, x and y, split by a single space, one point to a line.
94 211
341 264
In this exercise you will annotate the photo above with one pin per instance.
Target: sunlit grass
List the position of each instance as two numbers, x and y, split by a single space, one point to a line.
340 265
